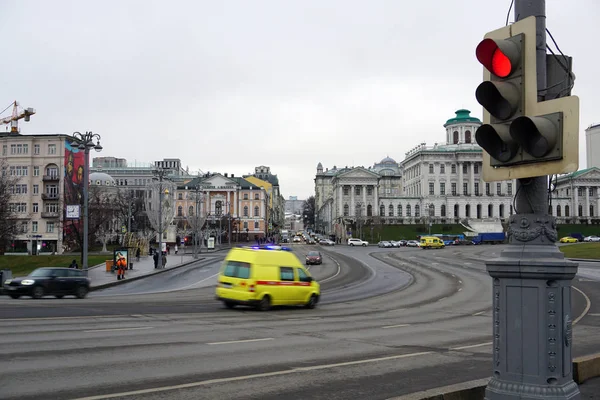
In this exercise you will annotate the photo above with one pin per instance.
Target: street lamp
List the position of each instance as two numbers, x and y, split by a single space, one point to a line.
159 174
85 142
198 197
429 207
359 209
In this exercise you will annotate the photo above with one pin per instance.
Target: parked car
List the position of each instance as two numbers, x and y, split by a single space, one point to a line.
395 243
568 239
403 242
592 238
357 242
412 243
58 282
384 243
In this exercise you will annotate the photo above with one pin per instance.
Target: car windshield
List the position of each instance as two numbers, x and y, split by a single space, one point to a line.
314 253
41 272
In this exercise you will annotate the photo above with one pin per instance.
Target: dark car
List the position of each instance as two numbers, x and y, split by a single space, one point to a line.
57 282
314 257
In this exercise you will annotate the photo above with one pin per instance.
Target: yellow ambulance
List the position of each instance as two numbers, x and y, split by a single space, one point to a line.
431 242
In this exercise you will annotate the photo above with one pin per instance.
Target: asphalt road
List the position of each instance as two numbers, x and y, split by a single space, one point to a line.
378 333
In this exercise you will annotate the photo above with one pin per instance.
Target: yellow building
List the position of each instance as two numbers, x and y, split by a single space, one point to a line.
268 188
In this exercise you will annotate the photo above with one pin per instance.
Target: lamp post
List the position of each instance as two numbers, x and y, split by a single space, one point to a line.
85 142
359 209
429 207
198 197
160 173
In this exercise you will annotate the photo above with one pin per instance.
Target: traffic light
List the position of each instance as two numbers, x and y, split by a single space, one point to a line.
521 137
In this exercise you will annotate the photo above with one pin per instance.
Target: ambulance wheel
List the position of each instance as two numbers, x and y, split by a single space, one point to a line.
229 304
59 296
265 304
312 302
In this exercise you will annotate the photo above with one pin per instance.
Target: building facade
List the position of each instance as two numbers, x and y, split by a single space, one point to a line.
277 202
438 184
592 145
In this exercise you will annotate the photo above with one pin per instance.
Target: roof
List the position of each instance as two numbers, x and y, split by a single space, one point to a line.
388 160
577 173
244 184
462 116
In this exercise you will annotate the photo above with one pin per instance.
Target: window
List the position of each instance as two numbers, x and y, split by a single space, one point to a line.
431 170
417 211
467 136
558 211
4 149
490 210
36 208
245 225
442 188
369 210
245 196
580 210
456 211
591 191
256 196
499 188
487 189
579 191
465 189
501 211
346 191
465 168
17 207
443 210
18 189
346 210
51 207
442 168
245 211
509 189
302 277
431 188
51 149
468 211
36 171
567 211
455 137
24 226
256 211
237 269
382 210
180 211
49 227
391 210
408 210
286 274
357 190
36 149
19 148
52 190
179 195
256 225
453 188
399 210
369 191
453 168
219 207
475 168
191 211
591 210
34 226
18 170
476 188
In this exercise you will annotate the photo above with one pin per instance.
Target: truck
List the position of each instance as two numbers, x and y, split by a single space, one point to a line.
285 236
489 238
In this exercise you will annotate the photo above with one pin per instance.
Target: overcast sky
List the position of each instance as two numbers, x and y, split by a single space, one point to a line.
229 85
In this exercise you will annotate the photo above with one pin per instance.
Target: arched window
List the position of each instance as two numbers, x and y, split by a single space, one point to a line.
218 207
256 211
369 210
501 211
382 210
468 211
346 210
390 210
180 211
408 210
455 137
478 211
490 210
245 211
467 136
443 210
417 211
399 210
549 210
580 210
558 213
567 211
191 211
456 215
592 210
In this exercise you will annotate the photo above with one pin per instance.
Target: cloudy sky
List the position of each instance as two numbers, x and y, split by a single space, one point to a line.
228 85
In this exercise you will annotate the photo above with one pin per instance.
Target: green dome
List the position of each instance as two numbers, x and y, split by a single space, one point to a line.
462 116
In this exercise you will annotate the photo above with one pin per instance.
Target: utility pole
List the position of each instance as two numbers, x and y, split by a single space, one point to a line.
532 322
197 228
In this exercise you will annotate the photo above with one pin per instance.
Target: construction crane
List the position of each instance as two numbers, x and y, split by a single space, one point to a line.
16 116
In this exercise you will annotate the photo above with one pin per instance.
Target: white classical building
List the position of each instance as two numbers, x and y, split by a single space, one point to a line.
440 183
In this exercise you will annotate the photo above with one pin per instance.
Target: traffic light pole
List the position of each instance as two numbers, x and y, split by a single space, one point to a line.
532 321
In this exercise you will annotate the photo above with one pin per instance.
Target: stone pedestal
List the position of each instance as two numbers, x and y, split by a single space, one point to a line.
532 321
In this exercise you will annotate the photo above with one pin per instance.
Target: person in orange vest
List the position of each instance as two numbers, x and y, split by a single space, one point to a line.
121 266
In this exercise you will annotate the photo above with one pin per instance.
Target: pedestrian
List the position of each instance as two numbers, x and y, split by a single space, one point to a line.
176 248
155 257
121 266
74 265
168 249
137 255
164 260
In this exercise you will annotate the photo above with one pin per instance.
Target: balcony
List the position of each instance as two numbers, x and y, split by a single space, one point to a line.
49 196
49 215
50 178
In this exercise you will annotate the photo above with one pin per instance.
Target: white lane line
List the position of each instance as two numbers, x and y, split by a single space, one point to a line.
435 263
594 315
339 269
303 319
459 281
241 341
468 263
249 377
471 346
443 298
588 304
53 318
479 313
119 329
459 289
195 283
395 326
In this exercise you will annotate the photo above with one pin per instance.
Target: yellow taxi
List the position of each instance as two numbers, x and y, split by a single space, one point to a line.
568 239
431 242
265 276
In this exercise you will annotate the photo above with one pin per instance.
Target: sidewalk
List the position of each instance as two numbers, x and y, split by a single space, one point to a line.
145 267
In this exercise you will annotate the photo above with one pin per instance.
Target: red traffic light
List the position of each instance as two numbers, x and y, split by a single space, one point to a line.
500 58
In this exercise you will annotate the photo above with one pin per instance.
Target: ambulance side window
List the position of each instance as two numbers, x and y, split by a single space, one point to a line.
302 275
286 273
237 269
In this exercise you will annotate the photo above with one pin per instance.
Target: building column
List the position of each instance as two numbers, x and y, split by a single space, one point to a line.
364 192
575 211
472 184
586 211
235 204
459 166
376 205
352 209
340 201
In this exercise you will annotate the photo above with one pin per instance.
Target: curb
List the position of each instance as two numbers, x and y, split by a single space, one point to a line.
584 368
584 259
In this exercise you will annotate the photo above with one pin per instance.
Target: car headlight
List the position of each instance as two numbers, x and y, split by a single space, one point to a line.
8 281
27 282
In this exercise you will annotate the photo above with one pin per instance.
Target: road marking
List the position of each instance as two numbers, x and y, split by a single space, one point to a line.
454 275
195 283
336 274
459 289
588 304
468 263
241 341
119 329
249 377
594 315
459 281
51 318
303 319
479 313
395 326
435 263
443 298
471 346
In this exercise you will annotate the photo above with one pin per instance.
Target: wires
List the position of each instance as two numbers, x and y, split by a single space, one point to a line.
508 13
9 106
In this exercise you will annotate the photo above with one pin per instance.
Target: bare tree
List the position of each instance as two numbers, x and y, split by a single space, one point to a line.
8 223
168 205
